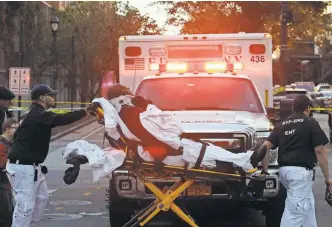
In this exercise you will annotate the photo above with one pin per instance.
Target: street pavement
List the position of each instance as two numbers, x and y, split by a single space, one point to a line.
84 203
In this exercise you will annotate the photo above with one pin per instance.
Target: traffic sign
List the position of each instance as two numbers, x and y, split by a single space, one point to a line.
25 81
19 80
14 80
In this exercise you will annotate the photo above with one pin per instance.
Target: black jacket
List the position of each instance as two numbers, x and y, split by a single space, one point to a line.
32 137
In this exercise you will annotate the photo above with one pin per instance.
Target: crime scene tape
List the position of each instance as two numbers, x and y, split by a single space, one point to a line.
313 109
77 103
278 90
55 110
321 109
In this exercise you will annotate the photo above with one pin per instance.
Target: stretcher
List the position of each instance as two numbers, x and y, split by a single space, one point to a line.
166 196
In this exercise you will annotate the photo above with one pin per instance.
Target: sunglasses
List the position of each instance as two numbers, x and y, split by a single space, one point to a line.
53 96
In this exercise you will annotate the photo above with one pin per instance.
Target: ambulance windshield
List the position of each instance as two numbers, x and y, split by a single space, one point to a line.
199 93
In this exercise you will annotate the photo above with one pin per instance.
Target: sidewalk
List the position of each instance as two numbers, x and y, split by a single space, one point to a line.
60 131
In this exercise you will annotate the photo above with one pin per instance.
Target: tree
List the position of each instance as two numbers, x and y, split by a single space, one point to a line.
36 35
229 17
96 27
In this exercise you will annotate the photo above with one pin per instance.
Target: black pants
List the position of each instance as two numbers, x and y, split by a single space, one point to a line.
6 201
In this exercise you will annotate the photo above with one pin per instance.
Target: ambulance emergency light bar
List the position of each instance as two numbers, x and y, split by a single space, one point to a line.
209 67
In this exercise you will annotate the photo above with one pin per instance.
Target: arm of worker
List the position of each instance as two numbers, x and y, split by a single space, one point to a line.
319 140
56 120
272 141
265 162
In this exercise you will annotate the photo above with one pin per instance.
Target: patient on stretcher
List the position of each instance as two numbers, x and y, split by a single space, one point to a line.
161 135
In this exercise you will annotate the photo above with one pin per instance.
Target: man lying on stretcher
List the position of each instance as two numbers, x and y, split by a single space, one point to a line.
160 134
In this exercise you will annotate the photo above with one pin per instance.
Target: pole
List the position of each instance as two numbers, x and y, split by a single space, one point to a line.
21 64
72 78
54 72
283 45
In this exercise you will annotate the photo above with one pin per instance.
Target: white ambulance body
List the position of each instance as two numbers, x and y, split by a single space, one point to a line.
251 52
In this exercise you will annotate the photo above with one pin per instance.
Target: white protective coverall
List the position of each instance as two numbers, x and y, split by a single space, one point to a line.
33 195
300 203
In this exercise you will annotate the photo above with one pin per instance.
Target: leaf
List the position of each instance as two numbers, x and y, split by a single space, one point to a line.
252 17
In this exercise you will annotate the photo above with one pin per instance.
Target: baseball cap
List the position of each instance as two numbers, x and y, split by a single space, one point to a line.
41 89
117 90
6 94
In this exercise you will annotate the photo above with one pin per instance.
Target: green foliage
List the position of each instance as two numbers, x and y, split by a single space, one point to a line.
229 17
96 27
36 34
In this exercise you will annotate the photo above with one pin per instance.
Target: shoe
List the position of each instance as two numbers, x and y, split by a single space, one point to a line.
77 161
71 175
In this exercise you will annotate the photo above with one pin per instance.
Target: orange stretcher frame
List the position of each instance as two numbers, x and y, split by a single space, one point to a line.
165 197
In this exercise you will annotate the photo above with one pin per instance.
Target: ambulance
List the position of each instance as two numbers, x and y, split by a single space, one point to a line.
251 54
219 87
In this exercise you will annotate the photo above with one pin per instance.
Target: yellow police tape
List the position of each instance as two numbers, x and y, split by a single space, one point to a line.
77 103
55 110
313 109
278 90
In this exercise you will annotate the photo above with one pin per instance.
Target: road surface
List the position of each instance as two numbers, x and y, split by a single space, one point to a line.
83 203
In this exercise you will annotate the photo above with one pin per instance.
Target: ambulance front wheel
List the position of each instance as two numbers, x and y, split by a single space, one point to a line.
275 208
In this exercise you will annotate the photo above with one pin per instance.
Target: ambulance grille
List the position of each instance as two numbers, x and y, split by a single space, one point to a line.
245 140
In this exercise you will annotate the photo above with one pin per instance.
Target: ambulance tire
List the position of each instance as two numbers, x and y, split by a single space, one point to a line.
275 208
120 209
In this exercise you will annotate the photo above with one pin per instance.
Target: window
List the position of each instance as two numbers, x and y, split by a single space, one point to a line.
201 93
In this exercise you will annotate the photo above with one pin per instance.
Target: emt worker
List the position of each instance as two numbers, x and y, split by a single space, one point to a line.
301 143
30 148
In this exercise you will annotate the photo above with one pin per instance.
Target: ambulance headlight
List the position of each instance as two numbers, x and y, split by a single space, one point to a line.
273 157
263 135
273 154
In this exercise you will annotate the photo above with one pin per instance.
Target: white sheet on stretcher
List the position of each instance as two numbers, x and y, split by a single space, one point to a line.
102 162
165 128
